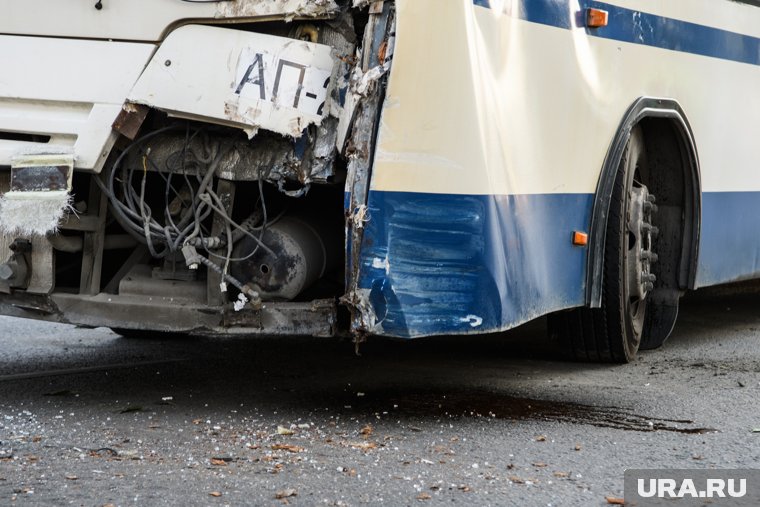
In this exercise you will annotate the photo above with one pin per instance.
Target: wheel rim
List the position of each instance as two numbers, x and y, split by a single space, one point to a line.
639 255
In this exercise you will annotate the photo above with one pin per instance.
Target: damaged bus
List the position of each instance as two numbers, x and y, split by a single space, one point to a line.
395 168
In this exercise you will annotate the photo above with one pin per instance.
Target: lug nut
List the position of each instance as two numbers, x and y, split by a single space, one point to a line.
654 231
649 256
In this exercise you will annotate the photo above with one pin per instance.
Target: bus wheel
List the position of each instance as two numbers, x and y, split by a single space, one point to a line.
613 332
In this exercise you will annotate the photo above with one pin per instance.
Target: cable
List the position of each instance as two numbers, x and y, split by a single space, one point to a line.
198 160
248 291
135 216
207 198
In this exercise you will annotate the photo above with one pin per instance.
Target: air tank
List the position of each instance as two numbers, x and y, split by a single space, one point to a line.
302 251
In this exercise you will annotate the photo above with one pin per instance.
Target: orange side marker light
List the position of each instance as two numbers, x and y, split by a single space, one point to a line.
596 18
580 238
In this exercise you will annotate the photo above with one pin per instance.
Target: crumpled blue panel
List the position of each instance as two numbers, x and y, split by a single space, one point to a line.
454 264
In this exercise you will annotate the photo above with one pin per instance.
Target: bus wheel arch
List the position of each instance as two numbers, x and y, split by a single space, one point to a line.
674 177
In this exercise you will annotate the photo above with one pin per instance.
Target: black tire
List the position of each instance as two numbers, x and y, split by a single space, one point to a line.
144 334
660 321
613 332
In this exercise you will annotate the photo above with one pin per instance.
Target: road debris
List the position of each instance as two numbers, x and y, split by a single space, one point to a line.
363 446
287 447
285 493
99 453
614 500
282 430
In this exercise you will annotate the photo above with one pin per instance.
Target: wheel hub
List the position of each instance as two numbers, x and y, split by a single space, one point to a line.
641 207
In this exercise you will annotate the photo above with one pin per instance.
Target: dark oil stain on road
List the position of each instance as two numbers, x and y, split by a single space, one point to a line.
459 404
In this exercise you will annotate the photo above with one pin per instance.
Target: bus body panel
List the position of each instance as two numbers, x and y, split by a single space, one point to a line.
69 91
503 130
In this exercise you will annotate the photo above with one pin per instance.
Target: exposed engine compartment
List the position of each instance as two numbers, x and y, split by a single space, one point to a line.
238 208
221 206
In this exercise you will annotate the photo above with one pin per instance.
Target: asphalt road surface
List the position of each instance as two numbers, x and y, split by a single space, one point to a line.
90 418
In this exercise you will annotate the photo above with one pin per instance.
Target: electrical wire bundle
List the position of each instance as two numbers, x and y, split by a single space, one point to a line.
136 216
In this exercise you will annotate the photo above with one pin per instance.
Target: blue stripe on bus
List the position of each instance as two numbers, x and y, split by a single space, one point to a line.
457 264
729 248
637 27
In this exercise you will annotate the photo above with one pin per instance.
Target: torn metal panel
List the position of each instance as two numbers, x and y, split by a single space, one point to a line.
371 64
366 95
359 152
249 80
130 120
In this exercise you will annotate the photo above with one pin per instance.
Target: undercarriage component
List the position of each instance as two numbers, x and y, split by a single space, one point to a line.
74 244
14 274
300 252
313 318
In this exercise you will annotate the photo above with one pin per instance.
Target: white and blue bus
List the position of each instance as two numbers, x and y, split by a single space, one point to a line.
425 167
